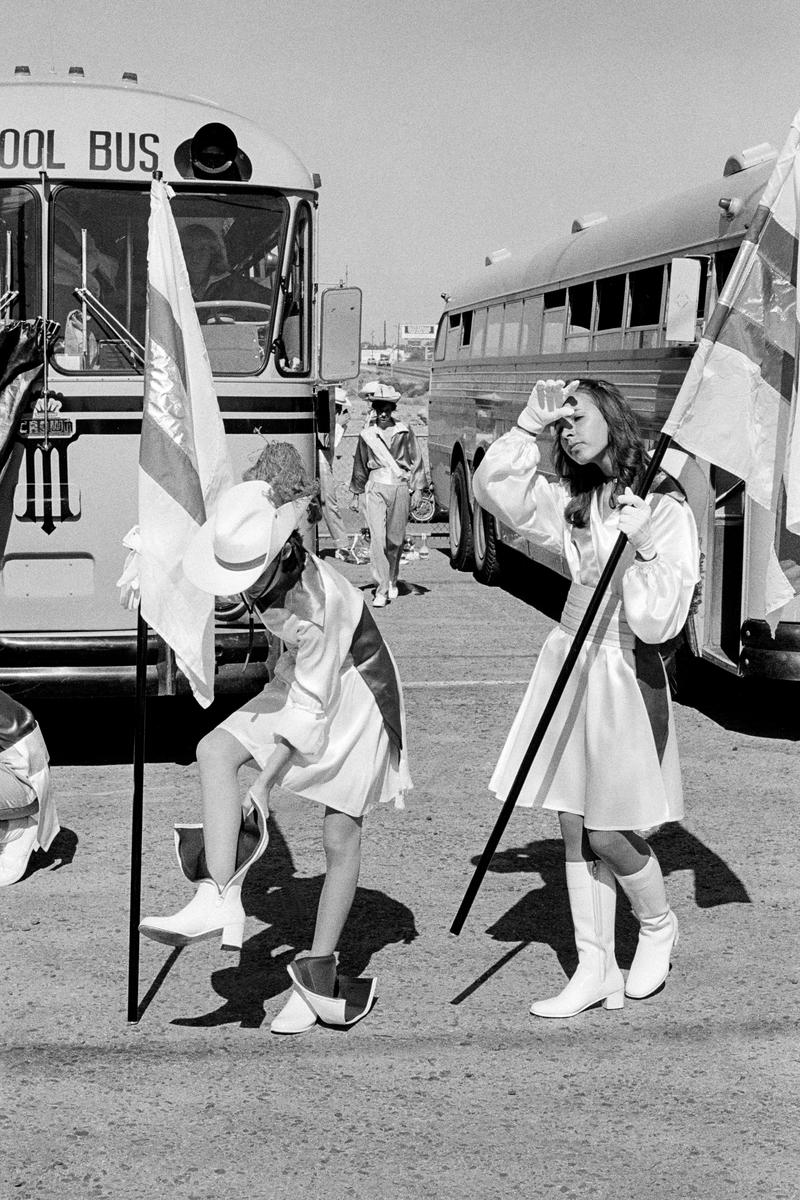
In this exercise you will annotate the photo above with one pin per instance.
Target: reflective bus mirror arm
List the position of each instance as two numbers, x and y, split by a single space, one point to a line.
113 326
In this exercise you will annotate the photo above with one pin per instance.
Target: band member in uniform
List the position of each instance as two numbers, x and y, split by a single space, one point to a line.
329 727
608 764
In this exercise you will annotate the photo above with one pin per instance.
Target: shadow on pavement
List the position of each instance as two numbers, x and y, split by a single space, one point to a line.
760 707
543 914
89 732
61 853
274 894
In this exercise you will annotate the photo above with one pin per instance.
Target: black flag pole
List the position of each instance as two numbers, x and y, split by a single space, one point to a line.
561 682
136 818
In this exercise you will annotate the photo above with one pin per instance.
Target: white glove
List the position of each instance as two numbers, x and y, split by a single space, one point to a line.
635 522
128 582
548 402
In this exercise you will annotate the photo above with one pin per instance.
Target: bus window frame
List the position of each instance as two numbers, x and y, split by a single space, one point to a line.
511 352
25 185
303 207
143 188
479 321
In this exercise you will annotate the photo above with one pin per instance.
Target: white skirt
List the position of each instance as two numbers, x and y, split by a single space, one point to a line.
357 767
599 757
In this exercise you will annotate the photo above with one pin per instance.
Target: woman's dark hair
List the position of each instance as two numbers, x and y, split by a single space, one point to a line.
282 468
625 446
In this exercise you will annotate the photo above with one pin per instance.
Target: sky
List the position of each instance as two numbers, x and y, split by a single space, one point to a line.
444 130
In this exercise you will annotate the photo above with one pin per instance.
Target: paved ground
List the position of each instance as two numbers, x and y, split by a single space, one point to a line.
449 1088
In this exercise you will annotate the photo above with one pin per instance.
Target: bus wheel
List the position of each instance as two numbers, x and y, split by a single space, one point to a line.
486 546
460 521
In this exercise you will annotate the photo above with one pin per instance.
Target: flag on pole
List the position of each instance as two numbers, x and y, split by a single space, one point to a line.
21 364
184 465
737 405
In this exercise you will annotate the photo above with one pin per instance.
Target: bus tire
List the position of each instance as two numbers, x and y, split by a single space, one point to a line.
485 546
460 520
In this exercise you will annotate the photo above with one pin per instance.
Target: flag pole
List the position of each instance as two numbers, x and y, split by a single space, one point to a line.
136 819
561 682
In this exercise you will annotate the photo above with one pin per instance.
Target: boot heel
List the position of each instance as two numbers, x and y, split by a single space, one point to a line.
615 1000
232 936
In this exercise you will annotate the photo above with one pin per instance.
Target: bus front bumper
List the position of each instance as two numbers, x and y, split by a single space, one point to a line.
84 667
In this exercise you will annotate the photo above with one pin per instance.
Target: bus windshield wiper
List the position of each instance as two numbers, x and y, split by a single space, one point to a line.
7 299
113 326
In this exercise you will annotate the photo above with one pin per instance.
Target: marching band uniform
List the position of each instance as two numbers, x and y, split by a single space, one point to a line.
610 755
28 818
334 700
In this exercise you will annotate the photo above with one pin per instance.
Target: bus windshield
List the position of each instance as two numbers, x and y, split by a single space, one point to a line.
232 245
19 254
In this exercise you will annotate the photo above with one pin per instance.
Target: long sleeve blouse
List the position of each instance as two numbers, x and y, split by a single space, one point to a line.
656 594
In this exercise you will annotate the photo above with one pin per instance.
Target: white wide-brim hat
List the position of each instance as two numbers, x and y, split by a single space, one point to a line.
380 391
244 534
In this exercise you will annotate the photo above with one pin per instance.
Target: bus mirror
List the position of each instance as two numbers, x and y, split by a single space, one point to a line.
340 334
684 294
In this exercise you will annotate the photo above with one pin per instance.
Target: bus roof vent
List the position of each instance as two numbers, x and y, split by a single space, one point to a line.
76 72
22 70
587 221
751 157
130 77
497 256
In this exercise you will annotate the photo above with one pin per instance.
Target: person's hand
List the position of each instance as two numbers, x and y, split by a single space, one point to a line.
549 401
636 523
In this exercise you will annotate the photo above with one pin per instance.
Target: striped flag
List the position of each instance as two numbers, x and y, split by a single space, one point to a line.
737 406
184 465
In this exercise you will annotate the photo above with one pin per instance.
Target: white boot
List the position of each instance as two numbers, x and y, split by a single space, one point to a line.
213 910
658 930
593 903
295 1017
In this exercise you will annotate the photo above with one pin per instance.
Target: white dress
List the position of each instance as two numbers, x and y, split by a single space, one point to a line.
319 702
609 753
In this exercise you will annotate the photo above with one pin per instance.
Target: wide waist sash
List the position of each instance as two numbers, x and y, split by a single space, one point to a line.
374 664
609 627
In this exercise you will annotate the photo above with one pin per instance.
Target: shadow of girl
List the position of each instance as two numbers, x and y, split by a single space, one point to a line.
287 905
543 914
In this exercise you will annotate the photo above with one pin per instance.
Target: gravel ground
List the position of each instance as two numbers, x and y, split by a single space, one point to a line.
449 1088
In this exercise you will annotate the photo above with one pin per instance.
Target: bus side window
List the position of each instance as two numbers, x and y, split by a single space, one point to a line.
511 326
441 337
296 326
610 313
645 308
530 332
555 311
478 332
466 331
494 327
723 261
453 335
579 321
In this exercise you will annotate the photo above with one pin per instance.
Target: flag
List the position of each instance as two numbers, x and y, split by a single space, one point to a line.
184 465
21 365
737 404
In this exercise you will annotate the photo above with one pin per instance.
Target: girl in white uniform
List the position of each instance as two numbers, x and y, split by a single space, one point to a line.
608 764
329 727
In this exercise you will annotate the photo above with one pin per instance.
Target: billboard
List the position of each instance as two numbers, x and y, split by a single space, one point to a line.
417 333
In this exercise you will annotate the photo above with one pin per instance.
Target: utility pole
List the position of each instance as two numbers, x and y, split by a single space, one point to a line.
384 334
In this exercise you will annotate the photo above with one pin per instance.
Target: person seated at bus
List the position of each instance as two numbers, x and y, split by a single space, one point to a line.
609 767
28 819
387 466
210 276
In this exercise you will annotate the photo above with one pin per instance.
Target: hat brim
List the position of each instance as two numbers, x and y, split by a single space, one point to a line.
202 568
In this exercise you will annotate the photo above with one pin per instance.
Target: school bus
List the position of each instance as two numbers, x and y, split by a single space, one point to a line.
625 300
76 162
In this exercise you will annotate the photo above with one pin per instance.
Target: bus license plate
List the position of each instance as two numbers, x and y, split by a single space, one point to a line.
56 427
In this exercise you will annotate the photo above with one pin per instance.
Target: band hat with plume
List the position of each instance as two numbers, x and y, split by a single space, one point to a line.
238 542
